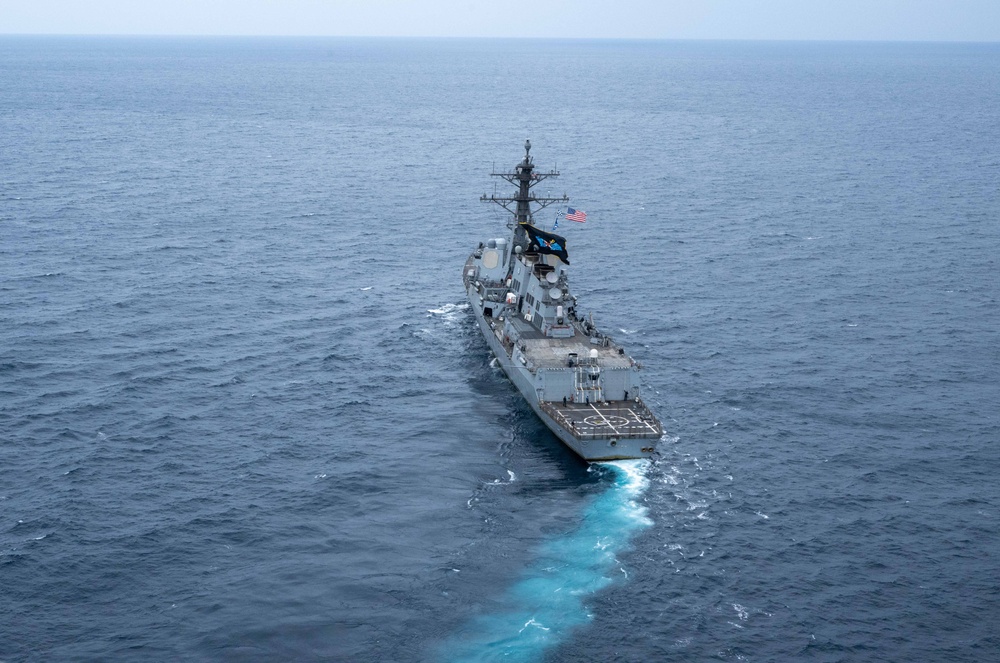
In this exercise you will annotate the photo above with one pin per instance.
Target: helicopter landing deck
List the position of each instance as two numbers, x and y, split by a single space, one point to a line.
610 419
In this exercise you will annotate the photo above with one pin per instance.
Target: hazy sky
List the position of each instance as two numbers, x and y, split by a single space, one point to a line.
916 20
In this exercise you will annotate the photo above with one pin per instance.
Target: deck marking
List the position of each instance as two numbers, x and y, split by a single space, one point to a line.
642 421
606 420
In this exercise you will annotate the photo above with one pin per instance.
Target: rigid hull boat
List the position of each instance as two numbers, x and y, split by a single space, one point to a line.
579 382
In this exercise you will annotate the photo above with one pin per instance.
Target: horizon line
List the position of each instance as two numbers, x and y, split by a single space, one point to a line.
494 38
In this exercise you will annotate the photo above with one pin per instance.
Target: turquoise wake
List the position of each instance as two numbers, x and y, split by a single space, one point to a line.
544 607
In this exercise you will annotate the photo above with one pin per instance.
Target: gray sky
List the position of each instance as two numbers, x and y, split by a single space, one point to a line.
911 20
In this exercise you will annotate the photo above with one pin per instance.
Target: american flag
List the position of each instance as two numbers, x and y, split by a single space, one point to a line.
577 215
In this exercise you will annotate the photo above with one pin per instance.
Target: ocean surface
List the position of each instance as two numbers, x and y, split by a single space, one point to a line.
245 414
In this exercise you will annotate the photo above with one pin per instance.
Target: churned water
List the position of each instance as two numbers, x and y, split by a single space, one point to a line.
245 413
550 601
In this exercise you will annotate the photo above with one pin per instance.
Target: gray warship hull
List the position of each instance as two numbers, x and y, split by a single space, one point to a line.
601 431
579 382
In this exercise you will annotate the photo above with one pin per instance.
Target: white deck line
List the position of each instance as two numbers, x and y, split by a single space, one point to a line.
607 422
645 423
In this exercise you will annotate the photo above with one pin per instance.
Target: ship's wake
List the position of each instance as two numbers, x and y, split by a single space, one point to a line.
542 609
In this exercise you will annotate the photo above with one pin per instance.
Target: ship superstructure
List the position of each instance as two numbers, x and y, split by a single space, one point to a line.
582 384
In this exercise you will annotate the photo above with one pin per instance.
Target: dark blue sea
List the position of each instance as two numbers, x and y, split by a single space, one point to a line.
245 413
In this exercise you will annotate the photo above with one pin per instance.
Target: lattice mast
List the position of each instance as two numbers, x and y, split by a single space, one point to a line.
524 178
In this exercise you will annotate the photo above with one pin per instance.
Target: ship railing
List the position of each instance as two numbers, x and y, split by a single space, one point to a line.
622 434
647 425
494 291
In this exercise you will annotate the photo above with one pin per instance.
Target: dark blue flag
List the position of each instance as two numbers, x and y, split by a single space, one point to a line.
548 243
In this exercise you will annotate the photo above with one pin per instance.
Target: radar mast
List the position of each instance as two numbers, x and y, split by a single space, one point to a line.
524 178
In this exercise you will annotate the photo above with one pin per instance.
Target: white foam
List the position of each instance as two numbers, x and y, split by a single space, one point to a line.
635 471
449 312
532 622
741 612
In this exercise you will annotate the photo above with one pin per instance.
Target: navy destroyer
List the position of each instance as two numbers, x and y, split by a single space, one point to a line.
579 382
